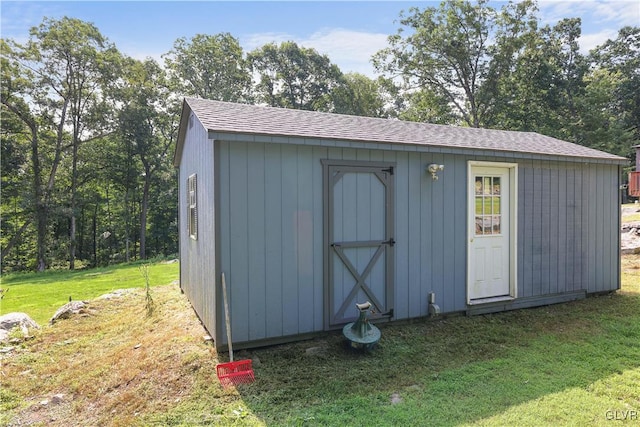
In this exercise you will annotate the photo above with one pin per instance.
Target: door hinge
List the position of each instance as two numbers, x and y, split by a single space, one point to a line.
388 170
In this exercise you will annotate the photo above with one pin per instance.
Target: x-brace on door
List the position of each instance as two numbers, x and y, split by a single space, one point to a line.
359 238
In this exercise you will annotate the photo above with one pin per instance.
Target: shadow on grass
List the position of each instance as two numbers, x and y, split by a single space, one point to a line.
459 370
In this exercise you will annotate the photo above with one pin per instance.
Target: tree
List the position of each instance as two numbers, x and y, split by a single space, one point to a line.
359 95
615 81
17 139
541 90
210 67
148 121
54 84
449 55
424 105
296 77
72 61
17 122
86 137
32 122
603 123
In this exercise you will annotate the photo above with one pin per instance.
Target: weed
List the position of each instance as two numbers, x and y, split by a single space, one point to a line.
148 298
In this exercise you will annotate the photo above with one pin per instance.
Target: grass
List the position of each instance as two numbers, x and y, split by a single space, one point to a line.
567 364
41 294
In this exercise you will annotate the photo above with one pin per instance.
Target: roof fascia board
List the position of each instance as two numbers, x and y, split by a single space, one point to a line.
271 139
185 115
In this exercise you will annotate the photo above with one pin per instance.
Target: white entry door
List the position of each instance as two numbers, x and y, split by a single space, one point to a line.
491 262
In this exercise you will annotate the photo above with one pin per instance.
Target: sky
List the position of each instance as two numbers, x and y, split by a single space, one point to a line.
348 32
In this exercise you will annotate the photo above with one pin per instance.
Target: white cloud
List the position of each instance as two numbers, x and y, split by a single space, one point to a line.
142 55
254 41
601 19
616 12
590 41
350 50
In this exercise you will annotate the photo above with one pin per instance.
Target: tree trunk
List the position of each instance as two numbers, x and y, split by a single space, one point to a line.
110 228
41 205
41 224
94 227
72 228
127 224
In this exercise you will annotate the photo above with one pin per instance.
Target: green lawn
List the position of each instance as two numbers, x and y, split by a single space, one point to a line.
561 365
41 294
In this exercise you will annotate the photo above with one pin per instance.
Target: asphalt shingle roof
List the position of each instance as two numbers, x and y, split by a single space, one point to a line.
226 117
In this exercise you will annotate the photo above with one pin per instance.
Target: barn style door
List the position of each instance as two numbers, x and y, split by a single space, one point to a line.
358 210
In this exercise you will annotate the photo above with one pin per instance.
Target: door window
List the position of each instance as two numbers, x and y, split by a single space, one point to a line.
488 202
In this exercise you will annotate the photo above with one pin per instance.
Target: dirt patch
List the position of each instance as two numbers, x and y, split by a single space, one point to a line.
630 230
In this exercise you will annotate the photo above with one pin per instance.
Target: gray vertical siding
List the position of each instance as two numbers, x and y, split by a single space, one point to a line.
197 266
269 211
567 228
271 238
271 234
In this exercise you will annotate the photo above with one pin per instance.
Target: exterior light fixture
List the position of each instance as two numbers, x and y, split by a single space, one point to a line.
433 170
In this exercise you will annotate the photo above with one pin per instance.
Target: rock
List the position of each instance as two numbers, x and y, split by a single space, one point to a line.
395 399
57 399
320 349
115 294
630 238
315 351
64 312
10 321
13 320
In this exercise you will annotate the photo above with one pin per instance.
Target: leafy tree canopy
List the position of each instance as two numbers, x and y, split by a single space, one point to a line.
455 53
291 76
210 67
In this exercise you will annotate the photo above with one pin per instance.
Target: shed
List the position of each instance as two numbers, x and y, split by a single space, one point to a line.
308 213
